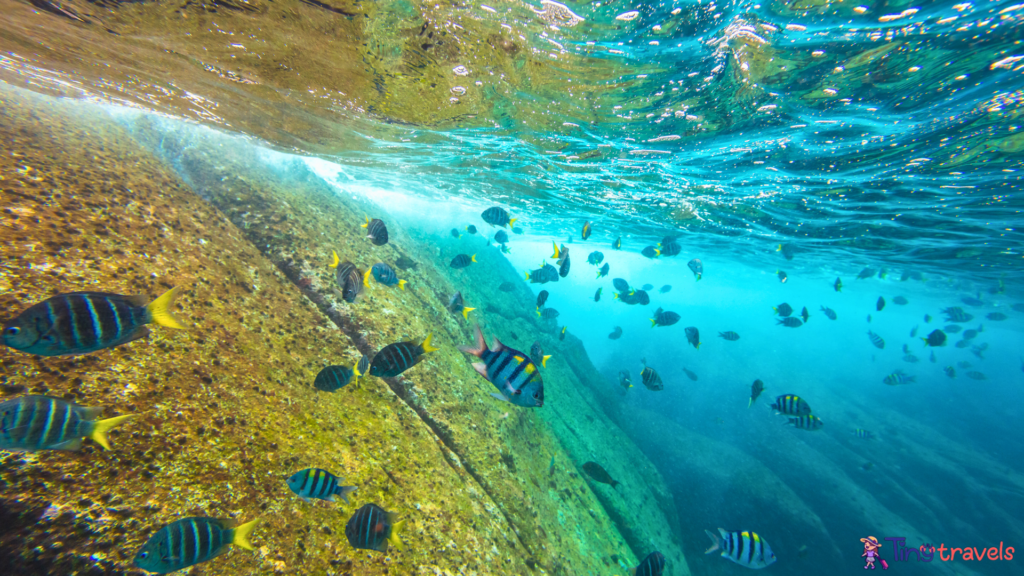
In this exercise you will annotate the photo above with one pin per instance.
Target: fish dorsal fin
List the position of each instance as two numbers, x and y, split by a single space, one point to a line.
496 345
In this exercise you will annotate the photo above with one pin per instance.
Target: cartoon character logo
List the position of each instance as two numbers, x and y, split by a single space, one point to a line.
870 554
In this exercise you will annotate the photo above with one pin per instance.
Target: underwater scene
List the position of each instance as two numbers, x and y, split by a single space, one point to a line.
670 288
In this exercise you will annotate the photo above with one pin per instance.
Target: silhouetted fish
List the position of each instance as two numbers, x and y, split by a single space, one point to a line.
597 472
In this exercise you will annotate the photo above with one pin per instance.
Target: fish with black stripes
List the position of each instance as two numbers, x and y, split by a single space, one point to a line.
548 313
876 340
457 305
805 314
398 357
497 216
191 541
332 378
789 322
652 565
320 484
32 423
373 528
542 297
807 422
603 271
538 356
730 336
349 278
828 312
650 377
791 405
897 378
671 248
383 274
650 252
376 231
364 365
755 390
693 336
697 267
84 322
510 371
462 260
501 237
864 434
744 547
783 309
662 318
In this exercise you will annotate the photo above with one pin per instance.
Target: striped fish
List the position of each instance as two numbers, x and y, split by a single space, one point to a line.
538 356
956 314
672 248
191 541
364 365
603 271
791 405
372 528
744 548
384 274
697 267
31 423
542 297
586 230
653 565
497 216
662 318
807 422
629 298
730 336
693 336
316 483
510 371
398 357
876 340
864 434
462 260
349 279
333 378
897 378
548 314
563 267
650 378
789 322
83 322
376 231
950 371
831 314
456 305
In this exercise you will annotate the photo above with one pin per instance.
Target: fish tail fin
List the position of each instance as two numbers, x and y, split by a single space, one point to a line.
473 257
699 276
615 296
160 310
402 283
355 370
465 311
240 535
657 252
544 361
367 223
395 528
555 246
426 344
716 542
527 274
334 260
344 492
751 403
654 322
366 277
512 221
779 249
101 427
477 349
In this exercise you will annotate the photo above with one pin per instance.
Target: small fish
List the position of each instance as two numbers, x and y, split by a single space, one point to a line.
546 273
900 301
788 251
730 336
505 249
906 349
782 276
865 273
597 295
867 466
913 332
456 305
664 289
883 273
517 230
595 258
321 484
548 314
838 285
744 548
384 274
880 304
333 378
563 268
617 244
191 541
537 355
603 271
693 336
869 318
650 252
927 318
662 318
471 229
975 375
650 378
971 301
542 297
455 232
83 322
898 377
697 267
561 335
963 344
783 309
515 376
507 287
996 316
349 278
690 374
973 333
807 422
977 350
624 379
957 314
963 364
864 434
642 297
376 231
789 322
462 260
586 230
620 284
597 472
501 237
497 216
791 405
670 248
647 287
950 371
32 423
398 357
372 528
931 357
652 565
616 334
755 391
876 340
911 358
805 314
936 338
829 313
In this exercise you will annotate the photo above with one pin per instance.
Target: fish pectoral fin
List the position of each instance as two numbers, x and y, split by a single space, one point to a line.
72 445
500 396
481 368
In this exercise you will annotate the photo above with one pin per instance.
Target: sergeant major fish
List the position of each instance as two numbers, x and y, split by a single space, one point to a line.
897 378
755 391
742 547
191 541
456 305
693 336
697 267
829 313
652 565
497 216
730 336
398 357
376 231
510 371
791 405
789 322
462 260
320 484
650 378
372 528
807 422
783 309
31 423
662 318
537 355
332 378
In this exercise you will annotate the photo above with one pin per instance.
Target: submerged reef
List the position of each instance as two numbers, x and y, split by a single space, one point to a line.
226 411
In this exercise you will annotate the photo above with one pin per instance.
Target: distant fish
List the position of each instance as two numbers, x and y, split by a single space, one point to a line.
537 355
510 371
693 336
996 316
333 378
32 423
975 375
650 378
597 295
376 231
791 405
624 379
383 274
546 273
755 391
372 528
883 273
471 229
586 230
349 279
603 271
880 304
617 244
805 314
971 301
506 287
455 232
744 548
671 248
501 237
972 333
911 358
517 230
616 334
548 314
563 268
867 466
697 267
807 422
950 371
931 357
936 338
927 318
788 251
398 357
957 314
978 350
913 332
783 309
497 216
642 297
456 305
542 297
598 473
869 318
191 541
730 336
647 287
900 301
789 322
865 273
595 258
838 285
906 349
652 565
561 335
963 364
782 276
320 484
963 344
650 252
620 284
876 340
690 374
864 434
664 289
462 260
898 377
828 312
662 318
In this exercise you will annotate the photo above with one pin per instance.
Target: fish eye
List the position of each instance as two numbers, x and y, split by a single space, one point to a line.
12 331
143 555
